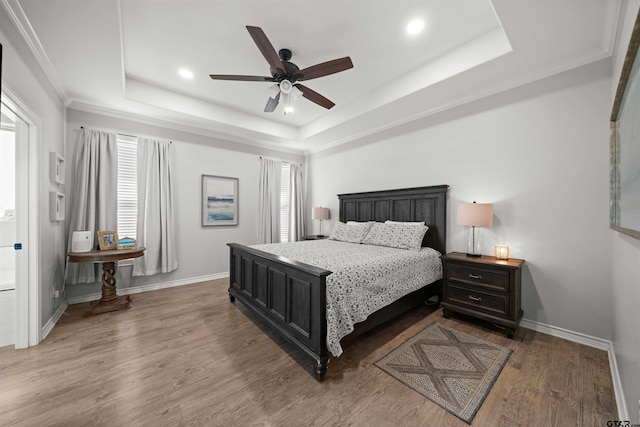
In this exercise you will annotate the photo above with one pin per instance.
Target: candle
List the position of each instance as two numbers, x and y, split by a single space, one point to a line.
501 251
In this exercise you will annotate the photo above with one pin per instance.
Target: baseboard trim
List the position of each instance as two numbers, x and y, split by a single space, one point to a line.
151 287
54 319
589 341
567 334
623 413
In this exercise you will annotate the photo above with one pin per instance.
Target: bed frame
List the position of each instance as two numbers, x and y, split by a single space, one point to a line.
290 296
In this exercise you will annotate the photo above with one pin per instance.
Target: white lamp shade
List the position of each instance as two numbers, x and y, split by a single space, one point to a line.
320 213
273 90
475 214
296 94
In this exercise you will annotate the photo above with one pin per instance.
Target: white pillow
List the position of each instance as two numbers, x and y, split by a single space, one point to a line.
396 236
352 233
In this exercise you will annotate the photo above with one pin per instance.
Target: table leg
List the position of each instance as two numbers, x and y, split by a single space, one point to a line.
110 301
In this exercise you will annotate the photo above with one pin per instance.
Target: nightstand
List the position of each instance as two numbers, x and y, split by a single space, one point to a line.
483 287
315 237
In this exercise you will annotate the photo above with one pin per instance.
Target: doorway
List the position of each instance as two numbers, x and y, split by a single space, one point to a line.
20 319
7 227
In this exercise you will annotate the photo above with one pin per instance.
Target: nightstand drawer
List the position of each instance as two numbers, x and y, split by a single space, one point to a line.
493 304
493 279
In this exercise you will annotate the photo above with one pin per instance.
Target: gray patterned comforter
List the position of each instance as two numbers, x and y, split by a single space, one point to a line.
365 278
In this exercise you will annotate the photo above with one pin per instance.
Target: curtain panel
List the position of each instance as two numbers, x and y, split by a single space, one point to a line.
269 201
93 204
155 221
297 209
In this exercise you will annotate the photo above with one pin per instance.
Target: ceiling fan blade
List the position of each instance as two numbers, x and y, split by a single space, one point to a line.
314 96
266 48
241 78
324 69
272 103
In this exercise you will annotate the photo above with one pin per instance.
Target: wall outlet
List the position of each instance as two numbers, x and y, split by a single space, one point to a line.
56 294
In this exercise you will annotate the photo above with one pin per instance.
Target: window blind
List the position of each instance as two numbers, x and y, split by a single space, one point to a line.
127 186
285 190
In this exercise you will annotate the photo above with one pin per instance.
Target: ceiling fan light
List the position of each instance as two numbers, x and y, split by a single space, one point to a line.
288 103
286 86
296 94
273 90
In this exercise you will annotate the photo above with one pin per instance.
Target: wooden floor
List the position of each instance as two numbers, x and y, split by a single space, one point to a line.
175 359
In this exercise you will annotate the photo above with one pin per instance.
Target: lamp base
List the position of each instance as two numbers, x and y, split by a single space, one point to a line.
473 242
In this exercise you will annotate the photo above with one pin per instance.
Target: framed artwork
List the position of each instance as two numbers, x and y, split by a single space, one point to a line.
219 200
624 143
107 240
0 68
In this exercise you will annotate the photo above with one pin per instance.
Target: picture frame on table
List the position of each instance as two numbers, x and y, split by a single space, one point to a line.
219 201
108 240
126 243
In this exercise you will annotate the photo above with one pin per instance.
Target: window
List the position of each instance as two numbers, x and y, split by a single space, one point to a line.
285 190
127 186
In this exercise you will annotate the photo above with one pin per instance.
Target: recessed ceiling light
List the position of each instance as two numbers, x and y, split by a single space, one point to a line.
415 26
185 74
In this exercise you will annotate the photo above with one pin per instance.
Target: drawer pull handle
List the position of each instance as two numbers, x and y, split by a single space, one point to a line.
472 298
474 276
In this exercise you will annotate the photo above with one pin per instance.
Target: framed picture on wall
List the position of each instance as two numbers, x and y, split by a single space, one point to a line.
0 68
219 200
624 142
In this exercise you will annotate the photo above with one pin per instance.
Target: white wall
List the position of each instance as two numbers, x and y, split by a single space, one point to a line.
625 255
202 251
23 77
540 154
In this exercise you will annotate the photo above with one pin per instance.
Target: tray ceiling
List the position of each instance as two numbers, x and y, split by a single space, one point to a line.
123 56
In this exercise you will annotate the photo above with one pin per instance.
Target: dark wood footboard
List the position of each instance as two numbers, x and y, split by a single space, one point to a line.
289 295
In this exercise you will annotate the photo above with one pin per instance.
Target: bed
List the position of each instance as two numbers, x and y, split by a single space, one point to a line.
291 296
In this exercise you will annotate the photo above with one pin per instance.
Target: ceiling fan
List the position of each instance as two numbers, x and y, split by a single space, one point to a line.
286 74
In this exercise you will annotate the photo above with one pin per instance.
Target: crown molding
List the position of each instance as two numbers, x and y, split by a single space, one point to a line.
182 126
611 23
22 24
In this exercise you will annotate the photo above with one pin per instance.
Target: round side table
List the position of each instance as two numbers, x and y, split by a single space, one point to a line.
110 300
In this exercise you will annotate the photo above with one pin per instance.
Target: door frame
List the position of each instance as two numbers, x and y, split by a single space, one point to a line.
28 315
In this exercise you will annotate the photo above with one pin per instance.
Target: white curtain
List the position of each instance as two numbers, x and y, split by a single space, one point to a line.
94 197
297 222
155 222
269 201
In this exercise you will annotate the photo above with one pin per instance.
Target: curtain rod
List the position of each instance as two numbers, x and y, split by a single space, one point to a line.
280 160
124 134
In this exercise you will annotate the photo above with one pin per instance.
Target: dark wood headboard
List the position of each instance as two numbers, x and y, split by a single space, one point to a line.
428 204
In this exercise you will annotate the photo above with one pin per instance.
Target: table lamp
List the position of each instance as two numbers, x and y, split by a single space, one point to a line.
475 215
320 213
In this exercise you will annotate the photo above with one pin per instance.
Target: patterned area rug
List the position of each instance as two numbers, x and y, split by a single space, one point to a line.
451 368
